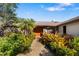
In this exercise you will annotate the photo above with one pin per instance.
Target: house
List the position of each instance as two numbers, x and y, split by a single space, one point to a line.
45 27
67 27
70 27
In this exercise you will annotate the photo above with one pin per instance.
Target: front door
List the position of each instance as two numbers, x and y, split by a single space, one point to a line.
64 29
38 31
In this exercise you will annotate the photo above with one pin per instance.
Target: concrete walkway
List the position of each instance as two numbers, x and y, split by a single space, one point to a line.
37 49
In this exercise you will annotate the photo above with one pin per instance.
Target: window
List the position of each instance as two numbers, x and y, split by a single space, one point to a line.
64 29
44 30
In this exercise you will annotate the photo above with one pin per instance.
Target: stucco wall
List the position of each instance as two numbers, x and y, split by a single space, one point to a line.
71 28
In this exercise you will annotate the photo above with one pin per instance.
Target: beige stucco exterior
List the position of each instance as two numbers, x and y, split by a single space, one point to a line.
71 28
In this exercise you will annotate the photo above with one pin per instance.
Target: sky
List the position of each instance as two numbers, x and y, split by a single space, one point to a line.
48 11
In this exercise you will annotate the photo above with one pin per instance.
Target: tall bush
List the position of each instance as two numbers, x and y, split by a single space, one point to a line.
14 44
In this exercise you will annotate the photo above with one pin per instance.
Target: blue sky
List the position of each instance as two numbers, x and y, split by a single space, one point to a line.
48 11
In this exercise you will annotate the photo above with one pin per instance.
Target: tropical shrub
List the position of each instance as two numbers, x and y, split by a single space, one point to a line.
62 51
74 43
71 52
47 38
14 44
65 52
61 46
14 37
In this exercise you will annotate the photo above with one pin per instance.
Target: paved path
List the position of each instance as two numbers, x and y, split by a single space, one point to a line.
37 49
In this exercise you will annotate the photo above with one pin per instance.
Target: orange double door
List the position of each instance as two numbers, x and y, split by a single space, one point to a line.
38 31
38 34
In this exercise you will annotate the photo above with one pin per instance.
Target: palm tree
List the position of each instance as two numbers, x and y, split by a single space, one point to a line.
7 15
7 11
27 26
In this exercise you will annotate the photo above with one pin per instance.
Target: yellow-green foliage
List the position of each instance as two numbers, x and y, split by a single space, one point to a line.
14 43
54 38
74 44
58 44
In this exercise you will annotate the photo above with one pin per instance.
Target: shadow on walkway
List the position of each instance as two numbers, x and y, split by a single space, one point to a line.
46 53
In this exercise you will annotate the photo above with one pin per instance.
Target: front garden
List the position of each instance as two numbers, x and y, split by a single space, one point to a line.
16 34
65 45
16 37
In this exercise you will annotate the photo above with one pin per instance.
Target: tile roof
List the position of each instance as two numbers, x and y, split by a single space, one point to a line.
70 20
44 23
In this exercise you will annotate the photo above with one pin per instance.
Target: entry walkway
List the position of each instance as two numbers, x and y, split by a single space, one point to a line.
37 49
